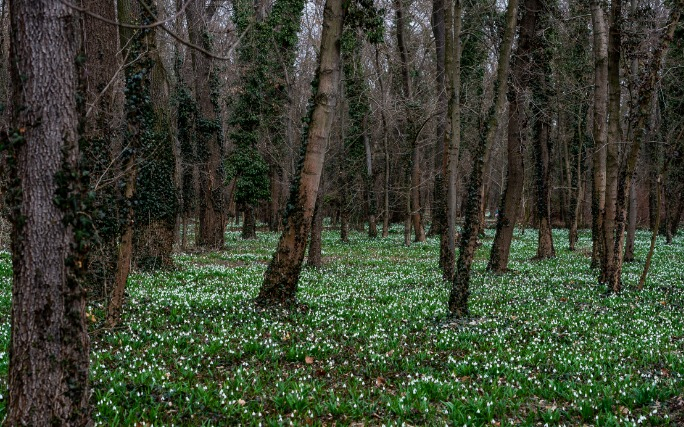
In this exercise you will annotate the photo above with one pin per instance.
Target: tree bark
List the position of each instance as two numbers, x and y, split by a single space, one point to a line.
210 230
282 274
315 246
639 118
458 298
512 197
541 137
49 344
614 138
600 135
632 223
411 127
452 136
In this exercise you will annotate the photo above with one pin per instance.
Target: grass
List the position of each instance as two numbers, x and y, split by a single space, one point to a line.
545 346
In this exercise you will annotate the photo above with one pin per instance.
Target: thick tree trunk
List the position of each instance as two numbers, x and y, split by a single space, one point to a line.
282 275
458 298
249 224
512 197
600 135
210 231
614 138
49 344
541 137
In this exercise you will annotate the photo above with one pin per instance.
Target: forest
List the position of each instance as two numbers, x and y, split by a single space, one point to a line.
341 212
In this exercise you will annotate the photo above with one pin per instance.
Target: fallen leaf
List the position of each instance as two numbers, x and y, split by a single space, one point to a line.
380 381
389 353
241 402
309 360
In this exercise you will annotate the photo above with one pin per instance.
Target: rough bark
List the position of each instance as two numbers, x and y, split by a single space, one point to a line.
315 246
458 298
452 136
599 131
282 274
209 149
614 137
509 209
411 128
541 138
49 344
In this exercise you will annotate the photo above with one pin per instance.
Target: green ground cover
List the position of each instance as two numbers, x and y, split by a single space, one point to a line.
371 343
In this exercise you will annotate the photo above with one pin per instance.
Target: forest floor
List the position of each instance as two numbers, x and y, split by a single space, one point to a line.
371 343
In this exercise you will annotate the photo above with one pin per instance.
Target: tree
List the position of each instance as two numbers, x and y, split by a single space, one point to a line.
452 135
541 137
458 297
520 80
282 274
49 349
209 149
411 131
639 117
599 131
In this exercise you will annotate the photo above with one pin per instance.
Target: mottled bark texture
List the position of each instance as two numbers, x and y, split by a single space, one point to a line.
615 137
49 344
282 274
209 148
452 136
541 138
458 298
599 131
509 210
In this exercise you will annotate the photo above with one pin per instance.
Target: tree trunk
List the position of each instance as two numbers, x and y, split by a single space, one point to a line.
541 137
632 223
49 344
439 28
639 119
210 230
249 223
600 135
512 197
614 138
137 109
282 274
314 258
452 136
458 298
411 129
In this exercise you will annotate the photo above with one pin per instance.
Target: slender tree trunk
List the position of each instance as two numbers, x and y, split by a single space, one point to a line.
49 344
282 274
369 181
138 92
314 258
249 224
632 223
654 236
458 298
639 119
439 28
452 136
411 127
512 197
600 135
